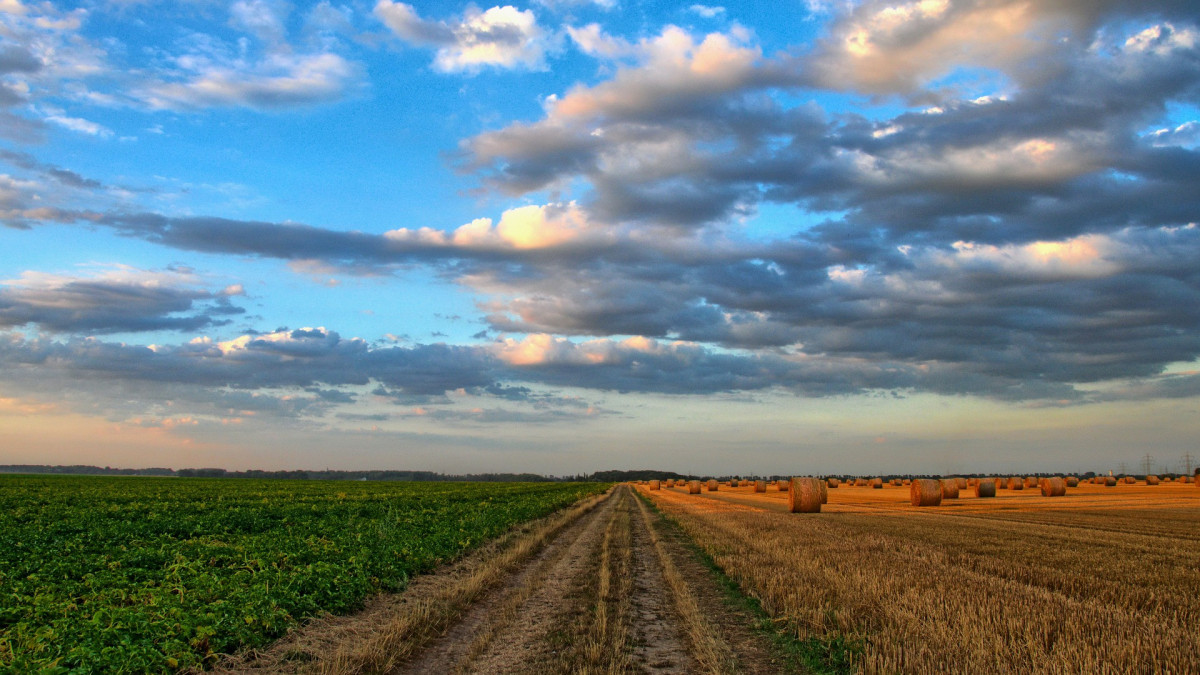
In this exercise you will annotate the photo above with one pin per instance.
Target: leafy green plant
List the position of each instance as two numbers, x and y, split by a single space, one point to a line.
132 575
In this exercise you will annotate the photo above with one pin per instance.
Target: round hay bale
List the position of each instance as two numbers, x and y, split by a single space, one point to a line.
734 483
1110 481
877 483
972 481
1151 480
1031 482
833 482
925 492
804 495
783 485
906 481
949 489
962 483
1015 483
712 485
1130 480
1001 484
693 487
654 485
985 488
860 482
1053 487
760 486
1072 481
824 491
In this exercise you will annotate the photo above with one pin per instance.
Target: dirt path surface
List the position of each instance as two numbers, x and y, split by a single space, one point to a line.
609 586
619 591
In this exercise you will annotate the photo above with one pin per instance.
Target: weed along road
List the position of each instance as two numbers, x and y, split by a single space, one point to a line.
607 586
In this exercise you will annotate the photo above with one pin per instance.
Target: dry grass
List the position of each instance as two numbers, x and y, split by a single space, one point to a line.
708 647
1102 580
605 649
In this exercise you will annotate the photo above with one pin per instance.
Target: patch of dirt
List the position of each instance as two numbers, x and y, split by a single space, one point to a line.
659 644
518 646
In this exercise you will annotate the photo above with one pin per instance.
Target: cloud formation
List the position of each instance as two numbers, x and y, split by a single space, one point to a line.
1017 220
122 300
500 37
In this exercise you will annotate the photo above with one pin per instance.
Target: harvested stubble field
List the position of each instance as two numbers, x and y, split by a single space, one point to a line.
1103 580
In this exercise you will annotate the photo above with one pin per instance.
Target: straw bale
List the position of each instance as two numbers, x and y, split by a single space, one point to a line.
949 488
1053 487
925 492
985 488
804 495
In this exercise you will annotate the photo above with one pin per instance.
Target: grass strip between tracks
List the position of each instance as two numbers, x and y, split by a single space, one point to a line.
820 657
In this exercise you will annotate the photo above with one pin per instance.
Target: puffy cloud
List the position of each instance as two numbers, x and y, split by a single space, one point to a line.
525 227
885 46
502 37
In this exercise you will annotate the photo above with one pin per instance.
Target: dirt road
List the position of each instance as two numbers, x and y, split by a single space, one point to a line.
615 592
608 587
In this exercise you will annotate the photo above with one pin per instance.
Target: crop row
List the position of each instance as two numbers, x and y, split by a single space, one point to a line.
153 575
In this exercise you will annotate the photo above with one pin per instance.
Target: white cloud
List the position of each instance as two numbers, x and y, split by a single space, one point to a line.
262 18
502 37
525 227
280 80
80 125
1162 39
707 11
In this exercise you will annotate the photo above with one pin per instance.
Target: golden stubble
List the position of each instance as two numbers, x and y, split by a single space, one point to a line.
1101 580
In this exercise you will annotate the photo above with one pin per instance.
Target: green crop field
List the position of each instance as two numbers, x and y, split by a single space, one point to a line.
156 574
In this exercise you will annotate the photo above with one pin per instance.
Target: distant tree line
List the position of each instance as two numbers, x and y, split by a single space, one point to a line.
84 469
613 476
327 474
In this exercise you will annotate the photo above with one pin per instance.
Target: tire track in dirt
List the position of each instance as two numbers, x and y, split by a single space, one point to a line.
609 586
522 597
619 592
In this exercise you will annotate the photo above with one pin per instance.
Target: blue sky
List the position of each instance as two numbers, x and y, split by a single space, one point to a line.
803 237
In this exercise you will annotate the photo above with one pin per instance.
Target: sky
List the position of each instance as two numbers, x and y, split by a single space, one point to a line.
798 237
